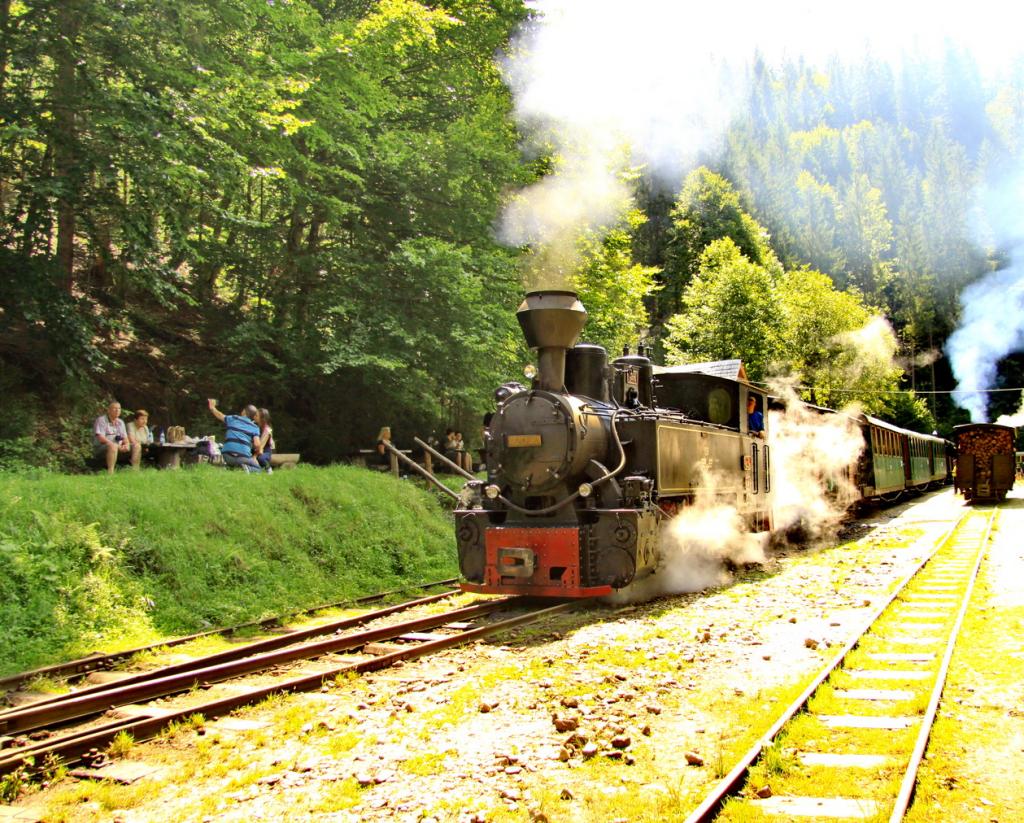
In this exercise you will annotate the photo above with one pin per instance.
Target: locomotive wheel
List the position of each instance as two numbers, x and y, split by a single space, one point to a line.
615 567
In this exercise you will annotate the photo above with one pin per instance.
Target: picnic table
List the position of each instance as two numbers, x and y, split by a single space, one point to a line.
168 455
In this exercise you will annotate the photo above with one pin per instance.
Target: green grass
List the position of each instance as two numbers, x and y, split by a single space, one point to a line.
105 563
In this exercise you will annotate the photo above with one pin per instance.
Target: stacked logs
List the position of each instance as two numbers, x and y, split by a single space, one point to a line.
984 444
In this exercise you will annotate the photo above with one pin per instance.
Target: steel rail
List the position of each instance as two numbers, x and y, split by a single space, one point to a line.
121 693
733 781
266 645
928 720
94 662
72 746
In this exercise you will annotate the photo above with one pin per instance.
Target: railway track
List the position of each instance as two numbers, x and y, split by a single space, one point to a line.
36 735
889 678
75 669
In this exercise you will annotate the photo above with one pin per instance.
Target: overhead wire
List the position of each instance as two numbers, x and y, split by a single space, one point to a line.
829 390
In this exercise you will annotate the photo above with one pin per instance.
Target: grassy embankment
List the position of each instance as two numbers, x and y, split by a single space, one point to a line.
105 563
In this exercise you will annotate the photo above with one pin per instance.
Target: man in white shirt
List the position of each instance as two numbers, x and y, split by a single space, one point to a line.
110 440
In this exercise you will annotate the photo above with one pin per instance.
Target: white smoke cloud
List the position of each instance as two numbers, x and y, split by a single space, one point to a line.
604 90
874 345
601 84
814 458
920 360
699 545
814 455
992 319
992 327
699 542
1016 419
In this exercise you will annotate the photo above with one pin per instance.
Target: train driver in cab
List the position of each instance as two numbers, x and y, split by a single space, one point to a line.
755 419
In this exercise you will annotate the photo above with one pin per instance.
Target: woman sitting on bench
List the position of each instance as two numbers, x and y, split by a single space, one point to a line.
383 441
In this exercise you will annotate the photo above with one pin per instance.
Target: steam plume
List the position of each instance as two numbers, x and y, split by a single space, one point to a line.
1016 419
991 328
603 86
699 544
813 453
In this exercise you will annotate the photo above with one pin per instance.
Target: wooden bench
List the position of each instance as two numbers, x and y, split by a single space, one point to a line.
284 461
364 455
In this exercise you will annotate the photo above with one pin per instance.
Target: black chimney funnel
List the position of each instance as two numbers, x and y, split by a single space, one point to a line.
551 322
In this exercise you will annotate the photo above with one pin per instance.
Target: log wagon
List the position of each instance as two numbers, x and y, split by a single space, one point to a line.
984 461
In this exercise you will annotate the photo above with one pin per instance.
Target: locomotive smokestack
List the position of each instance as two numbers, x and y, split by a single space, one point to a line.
551 322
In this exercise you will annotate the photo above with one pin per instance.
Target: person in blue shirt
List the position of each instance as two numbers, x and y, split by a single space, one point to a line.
242 439
755 420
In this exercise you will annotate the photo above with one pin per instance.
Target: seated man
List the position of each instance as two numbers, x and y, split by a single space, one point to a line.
242 438
755 419
110 442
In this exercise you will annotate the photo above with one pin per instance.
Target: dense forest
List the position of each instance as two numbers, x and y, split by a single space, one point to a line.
294 204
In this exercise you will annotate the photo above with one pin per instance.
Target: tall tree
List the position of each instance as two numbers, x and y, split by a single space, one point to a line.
729 310
707 209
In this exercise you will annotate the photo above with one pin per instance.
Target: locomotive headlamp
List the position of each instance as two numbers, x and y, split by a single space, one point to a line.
492 491
530 371
586 490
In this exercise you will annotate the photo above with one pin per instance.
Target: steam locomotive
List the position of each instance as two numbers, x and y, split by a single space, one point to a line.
585 464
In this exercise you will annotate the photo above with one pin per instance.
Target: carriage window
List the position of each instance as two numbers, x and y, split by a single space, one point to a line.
753 449
719 406
767 472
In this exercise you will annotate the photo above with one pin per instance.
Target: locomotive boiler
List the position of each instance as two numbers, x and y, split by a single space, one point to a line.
586 465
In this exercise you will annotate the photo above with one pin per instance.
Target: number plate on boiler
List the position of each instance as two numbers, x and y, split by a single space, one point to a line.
520 441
